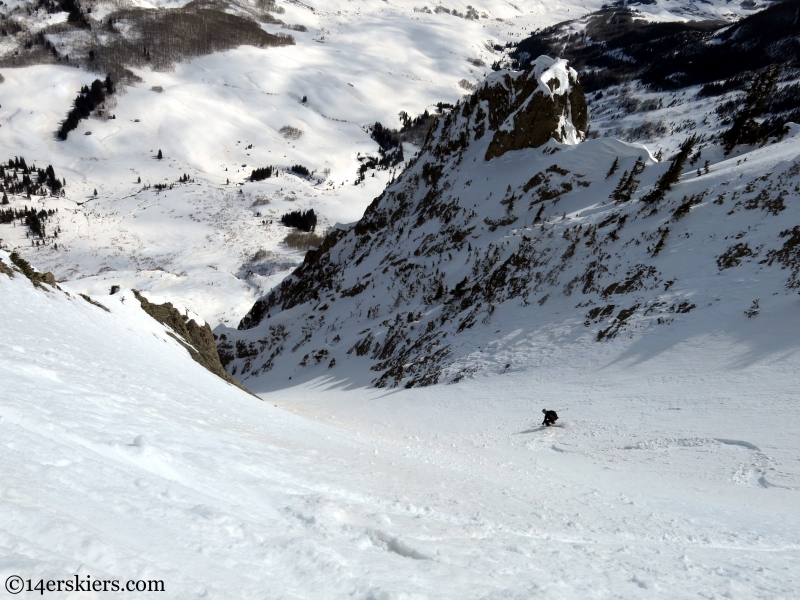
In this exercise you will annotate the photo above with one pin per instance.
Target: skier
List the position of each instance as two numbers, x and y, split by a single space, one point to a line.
550 417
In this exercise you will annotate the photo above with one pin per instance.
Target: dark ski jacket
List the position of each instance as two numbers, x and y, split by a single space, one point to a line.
550 417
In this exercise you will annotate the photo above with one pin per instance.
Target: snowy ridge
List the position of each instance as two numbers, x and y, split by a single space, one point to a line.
466 264
555 80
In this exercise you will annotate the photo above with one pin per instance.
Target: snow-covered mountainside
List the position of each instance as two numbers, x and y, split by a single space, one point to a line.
486 251
657 82
206 85
675 474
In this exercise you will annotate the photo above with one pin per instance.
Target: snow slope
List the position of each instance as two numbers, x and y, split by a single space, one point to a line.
674 473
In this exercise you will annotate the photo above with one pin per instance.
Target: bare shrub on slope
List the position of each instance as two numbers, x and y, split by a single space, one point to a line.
301 240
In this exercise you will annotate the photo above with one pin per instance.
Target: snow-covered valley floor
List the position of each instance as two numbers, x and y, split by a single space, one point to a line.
674 473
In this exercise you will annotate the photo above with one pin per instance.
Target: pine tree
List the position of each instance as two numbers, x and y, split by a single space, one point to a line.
160 156
618 191
745 129
614 167
673 174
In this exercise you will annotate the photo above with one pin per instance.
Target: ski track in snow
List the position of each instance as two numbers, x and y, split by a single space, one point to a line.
122 458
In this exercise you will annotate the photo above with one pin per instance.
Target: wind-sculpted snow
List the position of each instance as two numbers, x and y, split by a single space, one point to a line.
592 240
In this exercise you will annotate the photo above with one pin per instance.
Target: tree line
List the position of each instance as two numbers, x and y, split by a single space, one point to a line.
30 217
262 173
304 221
89 98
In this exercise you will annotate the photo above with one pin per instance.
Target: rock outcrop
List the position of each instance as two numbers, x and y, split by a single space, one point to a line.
526 109
197 339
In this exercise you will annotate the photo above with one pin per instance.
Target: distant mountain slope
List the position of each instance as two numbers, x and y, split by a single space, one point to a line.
655 81
214 243
617 44
203 84
596 240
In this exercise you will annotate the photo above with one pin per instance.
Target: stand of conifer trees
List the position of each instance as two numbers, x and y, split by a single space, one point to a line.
89 98
304 221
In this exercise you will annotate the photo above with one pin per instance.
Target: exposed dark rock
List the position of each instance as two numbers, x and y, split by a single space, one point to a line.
199 341
95 303
534 113
6 270
35 276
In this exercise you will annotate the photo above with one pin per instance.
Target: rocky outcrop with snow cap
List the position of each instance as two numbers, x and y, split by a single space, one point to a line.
525 109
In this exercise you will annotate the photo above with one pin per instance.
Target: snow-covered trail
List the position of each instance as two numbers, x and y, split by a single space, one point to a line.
121 458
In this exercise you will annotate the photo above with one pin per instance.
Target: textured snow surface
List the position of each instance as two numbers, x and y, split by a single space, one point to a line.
674 472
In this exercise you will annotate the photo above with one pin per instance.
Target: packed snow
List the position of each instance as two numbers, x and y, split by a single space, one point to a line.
673 472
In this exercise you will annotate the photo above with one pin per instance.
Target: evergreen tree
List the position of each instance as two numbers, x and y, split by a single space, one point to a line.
617 193
160 155
745 129
629 183
262 173
305 221
673 174
88 99
614 167
300 170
